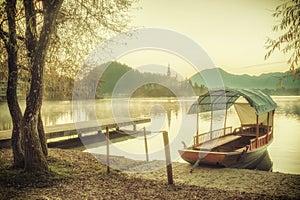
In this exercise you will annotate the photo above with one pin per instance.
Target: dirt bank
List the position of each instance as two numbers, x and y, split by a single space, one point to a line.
77 175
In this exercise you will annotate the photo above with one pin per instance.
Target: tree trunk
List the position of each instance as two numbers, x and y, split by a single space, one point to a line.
42 135
16 143
11 93
35 159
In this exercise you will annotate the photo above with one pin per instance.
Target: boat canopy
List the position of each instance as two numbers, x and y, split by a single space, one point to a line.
222 99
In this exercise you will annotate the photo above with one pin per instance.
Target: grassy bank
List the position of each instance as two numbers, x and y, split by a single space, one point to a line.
77 175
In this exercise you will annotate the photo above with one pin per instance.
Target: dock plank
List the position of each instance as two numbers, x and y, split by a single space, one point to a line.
70 129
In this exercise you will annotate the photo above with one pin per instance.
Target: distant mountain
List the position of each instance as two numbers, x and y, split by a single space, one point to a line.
110 77
147 84
263 81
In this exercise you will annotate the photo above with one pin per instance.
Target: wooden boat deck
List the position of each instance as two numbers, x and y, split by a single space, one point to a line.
217 142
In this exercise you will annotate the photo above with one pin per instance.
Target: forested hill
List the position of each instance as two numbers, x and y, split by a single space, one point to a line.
264 81
271 83
145 84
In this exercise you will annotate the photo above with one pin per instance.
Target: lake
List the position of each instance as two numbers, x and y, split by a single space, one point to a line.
169 114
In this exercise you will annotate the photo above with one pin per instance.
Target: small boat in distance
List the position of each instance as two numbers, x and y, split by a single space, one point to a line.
239 147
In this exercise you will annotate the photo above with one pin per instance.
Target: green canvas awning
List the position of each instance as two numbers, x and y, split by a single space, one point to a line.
224 99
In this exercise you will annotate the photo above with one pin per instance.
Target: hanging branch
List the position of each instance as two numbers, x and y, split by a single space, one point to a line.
289 41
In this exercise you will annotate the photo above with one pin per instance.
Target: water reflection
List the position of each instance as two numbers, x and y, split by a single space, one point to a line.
60 112
170 114
288 105
5 120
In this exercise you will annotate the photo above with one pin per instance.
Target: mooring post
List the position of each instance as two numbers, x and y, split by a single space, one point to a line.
146 145
168 158
107 151
134 127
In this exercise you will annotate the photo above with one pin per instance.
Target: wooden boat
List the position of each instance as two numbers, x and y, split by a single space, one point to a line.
240 147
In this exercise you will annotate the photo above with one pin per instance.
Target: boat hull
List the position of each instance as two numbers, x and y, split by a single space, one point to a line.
244 159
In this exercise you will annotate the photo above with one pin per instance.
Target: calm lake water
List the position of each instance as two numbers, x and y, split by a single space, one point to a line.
170 114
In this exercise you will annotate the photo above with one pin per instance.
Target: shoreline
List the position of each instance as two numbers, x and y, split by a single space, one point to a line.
84 177
242 180
271 184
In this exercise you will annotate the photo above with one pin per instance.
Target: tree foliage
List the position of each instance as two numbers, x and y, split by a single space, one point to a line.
48 38
81 26
289 42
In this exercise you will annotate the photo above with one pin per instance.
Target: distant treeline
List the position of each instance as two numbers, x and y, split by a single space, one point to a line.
135 83
283 91
104 82
281 83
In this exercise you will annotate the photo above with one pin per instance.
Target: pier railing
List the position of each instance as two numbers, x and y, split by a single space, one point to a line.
201 138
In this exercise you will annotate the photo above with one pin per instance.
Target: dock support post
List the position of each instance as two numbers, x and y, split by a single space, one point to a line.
257 131
273 112
146 145
268 128
168 158
107 151
211 120
134 127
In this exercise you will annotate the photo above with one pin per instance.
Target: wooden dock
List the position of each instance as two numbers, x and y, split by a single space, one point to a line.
72 129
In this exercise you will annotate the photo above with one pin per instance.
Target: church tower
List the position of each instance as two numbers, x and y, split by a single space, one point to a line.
169 71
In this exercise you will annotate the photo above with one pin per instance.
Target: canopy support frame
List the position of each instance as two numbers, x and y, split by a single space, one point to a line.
257 130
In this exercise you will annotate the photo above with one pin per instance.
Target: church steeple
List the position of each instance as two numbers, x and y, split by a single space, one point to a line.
169 71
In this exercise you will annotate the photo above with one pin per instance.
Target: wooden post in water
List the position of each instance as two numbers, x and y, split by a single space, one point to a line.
273 112
146 145
211 120
107 151
134 127
268 127
168 158
197 127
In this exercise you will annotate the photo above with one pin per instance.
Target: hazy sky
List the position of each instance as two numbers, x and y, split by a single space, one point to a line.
232 32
